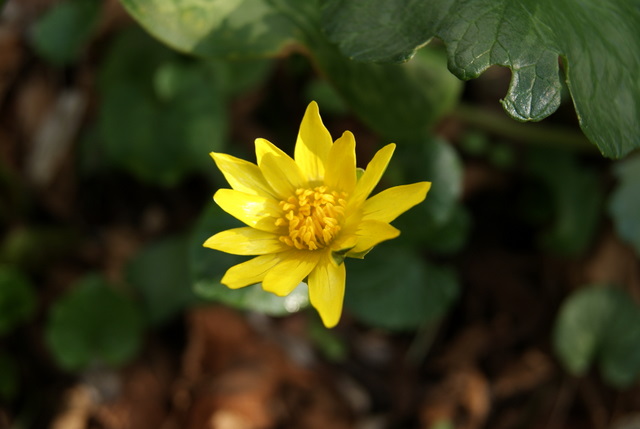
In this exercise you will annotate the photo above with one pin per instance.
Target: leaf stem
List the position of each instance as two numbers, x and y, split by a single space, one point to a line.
537 134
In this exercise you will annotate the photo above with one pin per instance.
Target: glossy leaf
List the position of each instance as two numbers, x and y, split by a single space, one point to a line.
17 299
599 324
160 273
93 324
624 204
394 288
598 41
208 266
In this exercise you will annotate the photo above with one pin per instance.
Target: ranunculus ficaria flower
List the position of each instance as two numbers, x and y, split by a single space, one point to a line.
305 215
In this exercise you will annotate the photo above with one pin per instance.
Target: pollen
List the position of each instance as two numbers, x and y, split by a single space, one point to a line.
312 217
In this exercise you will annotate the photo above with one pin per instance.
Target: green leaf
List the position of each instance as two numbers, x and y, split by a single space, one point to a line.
207 267
161 114
577 195
394 288
598 42
399 101
326 96
445 238
395 100
599 324
238 77
254 298
61 33
237 29
17 299
92 324
160 273
624 204
435 161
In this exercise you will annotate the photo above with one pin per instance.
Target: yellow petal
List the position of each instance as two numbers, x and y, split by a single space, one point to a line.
281 172
264 146
372 175
341 169
246 241
344 242
242 175
295 265
254 210
392 202
249 272
326 290
313 144
371 233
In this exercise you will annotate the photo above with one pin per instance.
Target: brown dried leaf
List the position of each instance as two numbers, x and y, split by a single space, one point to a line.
236 379
11 55
141 403
77 409
613 262
531 370
462 398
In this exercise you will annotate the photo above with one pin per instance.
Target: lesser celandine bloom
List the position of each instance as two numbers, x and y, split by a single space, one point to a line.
305 215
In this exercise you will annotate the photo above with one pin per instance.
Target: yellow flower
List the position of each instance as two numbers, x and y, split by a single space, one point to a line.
305 215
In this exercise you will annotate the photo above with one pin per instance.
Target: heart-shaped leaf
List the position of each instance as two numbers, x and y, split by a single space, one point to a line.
394 288
93 324
160 273
600 324
599 43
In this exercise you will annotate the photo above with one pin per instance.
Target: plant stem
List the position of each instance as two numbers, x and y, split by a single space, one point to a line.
501 124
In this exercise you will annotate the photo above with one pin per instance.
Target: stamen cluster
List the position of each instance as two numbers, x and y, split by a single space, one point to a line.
313 217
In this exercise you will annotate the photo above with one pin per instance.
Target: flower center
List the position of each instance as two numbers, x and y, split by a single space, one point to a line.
313 217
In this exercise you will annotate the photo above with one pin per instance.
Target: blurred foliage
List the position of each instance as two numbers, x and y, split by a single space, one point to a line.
624 204
576 199
331 345
441 223
31 248
17 299
8 377
394 288
63 31
93 325
161 113
160 273
600 324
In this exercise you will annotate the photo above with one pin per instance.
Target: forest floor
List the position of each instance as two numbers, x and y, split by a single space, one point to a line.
489 364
